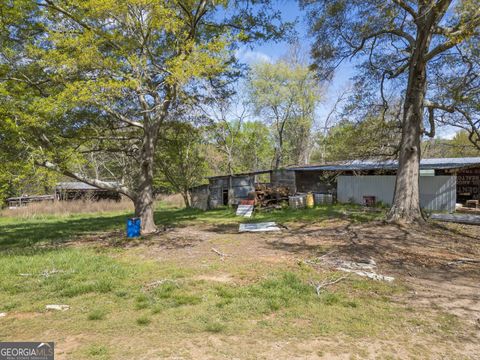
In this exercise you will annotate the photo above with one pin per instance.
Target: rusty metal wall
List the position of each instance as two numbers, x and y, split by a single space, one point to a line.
217 186
284 178
242 186
437 193
200 196
307 181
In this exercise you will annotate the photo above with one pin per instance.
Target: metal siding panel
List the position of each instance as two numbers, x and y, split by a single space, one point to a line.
241 181
242 191
437 193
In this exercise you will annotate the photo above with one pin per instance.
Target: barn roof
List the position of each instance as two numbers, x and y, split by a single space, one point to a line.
76 185
425 164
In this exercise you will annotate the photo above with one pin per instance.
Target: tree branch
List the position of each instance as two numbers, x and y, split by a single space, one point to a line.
105 185
396 32
456 35
398 71
407 8
432 105
121 117
431 120
83 24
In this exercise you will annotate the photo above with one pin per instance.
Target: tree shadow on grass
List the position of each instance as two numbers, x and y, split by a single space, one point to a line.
21 234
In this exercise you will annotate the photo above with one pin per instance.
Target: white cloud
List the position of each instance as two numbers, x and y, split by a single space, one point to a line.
251 56
447 132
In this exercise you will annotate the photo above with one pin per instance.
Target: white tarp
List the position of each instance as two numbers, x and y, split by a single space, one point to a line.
259 227
245 210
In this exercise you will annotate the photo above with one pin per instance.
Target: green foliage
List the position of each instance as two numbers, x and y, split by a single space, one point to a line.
255 150
353 140
239 146
458 146
97 314
284 95
143 320
88 85
179 160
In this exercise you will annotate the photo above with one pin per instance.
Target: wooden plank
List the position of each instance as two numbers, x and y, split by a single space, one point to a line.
458 218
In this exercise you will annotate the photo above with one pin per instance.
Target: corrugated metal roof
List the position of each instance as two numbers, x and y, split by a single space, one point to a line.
425 164
258 172
77 185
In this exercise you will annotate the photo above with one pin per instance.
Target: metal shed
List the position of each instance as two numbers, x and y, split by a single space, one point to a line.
223 187
239 187
451 180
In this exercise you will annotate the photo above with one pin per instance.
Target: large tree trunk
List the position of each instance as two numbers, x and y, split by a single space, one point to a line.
144 209
187 199
406 202
144 199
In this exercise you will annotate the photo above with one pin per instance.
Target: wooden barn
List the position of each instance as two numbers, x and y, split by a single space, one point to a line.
81 191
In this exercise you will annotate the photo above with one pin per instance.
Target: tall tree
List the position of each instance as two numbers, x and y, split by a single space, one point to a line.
102 76
224 115
179 162
457 79
398 40
255 148
458 146
284 95
349 140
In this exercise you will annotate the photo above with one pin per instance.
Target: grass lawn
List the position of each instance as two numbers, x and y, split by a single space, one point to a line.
128 303
19 233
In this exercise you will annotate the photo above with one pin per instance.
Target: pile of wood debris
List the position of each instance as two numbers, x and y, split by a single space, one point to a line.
267 196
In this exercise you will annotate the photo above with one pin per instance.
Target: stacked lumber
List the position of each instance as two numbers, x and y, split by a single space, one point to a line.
468 210
266 195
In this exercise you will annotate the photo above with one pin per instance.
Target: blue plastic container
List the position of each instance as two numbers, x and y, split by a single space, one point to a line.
133 227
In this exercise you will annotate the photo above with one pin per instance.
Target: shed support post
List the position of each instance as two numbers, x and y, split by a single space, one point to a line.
231 195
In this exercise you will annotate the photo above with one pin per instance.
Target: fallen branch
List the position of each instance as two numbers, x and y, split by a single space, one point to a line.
319 286
283 226
158 283
368 274
219 253
57 307
47 273
463 260
316 260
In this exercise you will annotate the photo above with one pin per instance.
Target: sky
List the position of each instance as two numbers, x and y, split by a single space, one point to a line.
341 81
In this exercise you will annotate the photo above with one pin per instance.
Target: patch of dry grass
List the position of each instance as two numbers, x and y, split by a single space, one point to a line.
172 200
67 208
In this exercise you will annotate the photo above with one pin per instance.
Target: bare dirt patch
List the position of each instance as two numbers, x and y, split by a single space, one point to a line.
421 258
